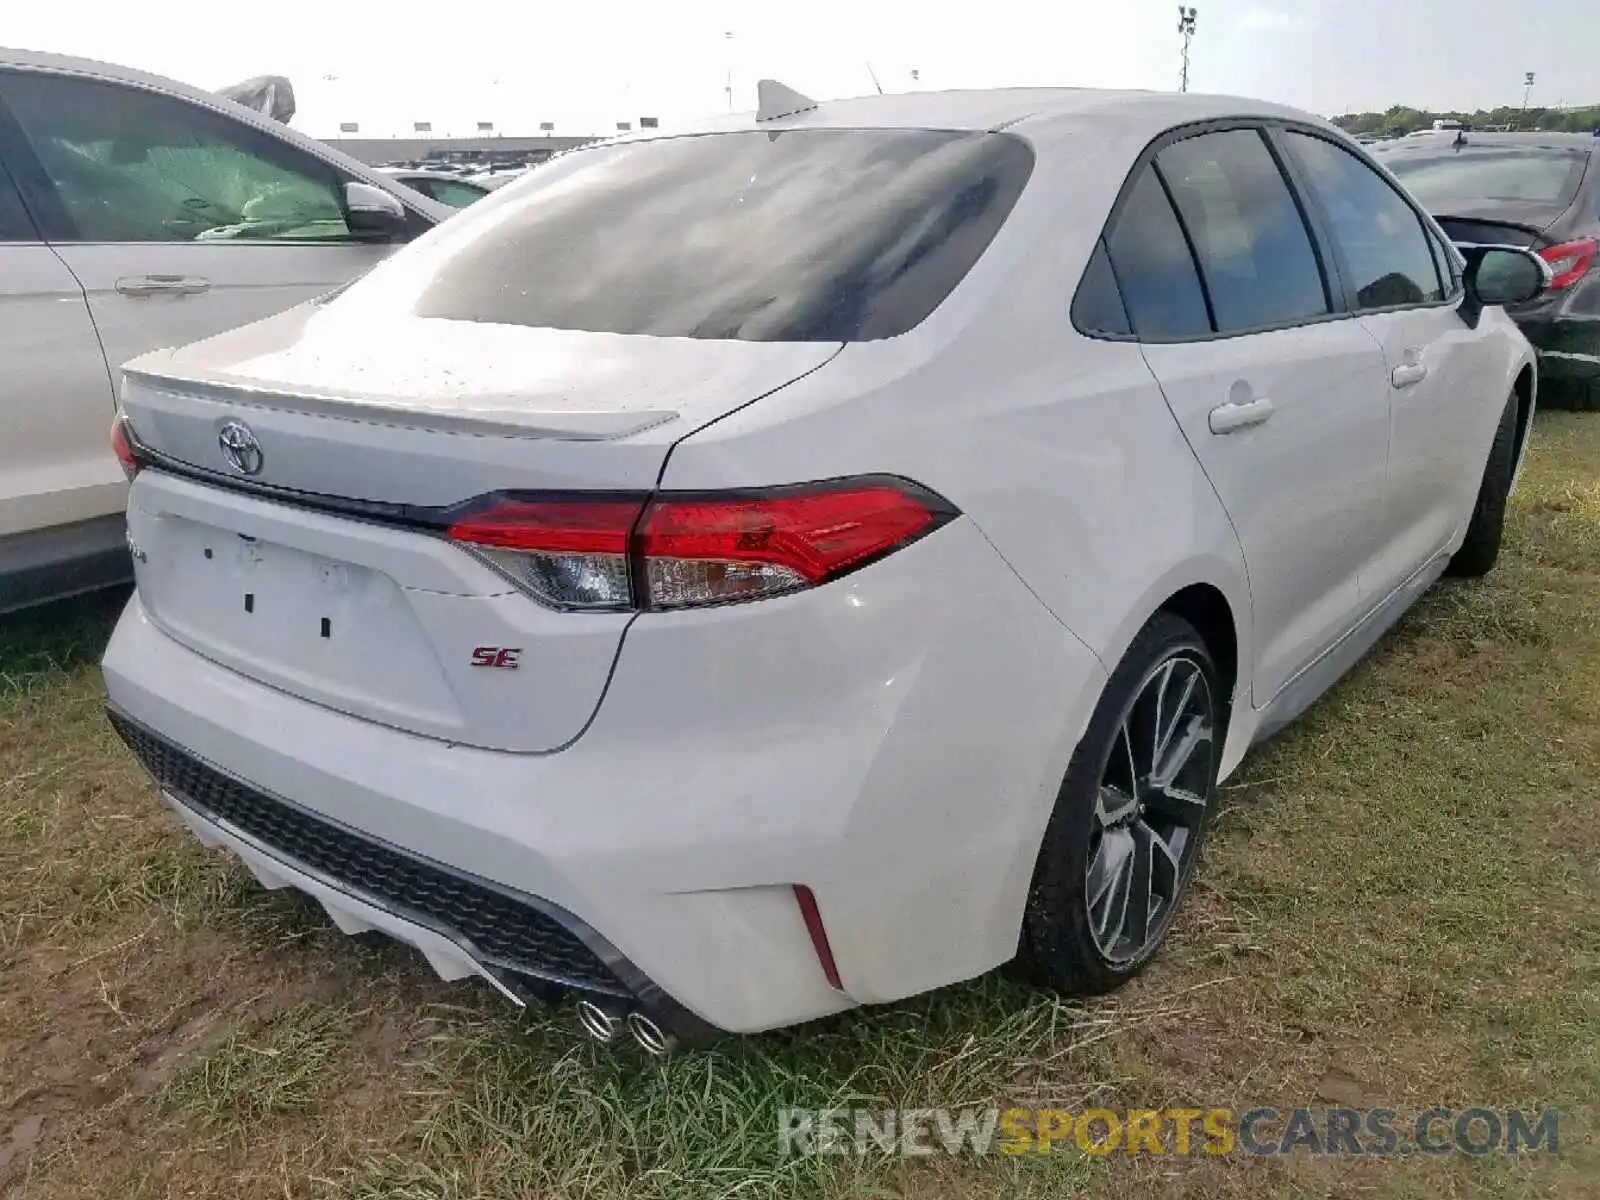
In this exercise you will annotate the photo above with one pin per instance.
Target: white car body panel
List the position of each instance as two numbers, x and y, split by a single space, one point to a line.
55 399
1433 427
242 283
893 740
1325 441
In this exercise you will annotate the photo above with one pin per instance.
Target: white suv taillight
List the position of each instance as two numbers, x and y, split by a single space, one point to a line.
122 446
611 553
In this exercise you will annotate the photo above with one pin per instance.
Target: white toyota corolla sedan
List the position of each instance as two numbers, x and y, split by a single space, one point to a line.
743 575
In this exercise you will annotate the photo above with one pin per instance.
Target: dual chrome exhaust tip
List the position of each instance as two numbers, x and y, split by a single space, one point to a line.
604 1024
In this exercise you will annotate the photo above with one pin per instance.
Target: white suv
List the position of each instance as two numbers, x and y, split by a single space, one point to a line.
137 213
745 575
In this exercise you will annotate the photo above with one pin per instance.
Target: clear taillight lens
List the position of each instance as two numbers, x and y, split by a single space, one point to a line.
566 553
683 551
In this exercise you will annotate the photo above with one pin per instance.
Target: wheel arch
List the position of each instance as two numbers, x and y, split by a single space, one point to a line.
1524 388
1205 607
1212 593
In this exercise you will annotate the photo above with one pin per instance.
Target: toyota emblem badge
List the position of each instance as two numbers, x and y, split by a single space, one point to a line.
240 448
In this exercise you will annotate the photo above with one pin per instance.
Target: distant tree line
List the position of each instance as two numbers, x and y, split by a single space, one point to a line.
1402 120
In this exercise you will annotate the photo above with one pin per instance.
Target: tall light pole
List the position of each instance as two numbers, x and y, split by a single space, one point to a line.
1186 18
1527 90
728 37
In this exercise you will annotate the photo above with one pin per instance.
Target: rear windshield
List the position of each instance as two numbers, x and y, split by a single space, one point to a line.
1537 174
806 235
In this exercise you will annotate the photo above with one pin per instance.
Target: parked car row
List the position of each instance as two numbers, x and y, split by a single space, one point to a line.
744 576
136 213
1539 190
445 187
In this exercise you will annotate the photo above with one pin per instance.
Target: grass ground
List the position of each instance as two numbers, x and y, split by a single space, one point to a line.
1400 908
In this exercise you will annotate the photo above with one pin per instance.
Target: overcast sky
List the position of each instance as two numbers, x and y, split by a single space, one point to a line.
586 67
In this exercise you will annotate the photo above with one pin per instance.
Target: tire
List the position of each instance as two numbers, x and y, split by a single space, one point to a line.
1067 942
1482 545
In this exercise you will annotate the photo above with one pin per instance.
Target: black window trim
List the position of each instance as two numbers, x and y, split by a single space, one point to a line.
22 170
1453 293
1188 240
1329 261
55 224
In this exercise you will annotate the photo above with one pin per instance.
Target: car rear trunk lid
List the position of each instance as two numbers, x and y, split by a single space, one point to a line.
324 571
1497 222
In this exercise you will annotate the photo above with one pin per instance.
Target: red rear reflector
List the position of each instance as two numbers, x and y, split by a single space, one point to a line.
1569 262
122 448
819 936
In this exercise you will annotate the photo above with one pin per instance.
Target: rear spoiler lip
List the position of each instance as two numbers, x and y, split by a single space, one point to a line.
574 425
424 517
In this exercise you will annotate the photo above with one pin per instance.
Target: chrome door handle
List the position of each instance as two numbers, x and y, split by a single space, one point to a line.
1408 375
1227 418
162 285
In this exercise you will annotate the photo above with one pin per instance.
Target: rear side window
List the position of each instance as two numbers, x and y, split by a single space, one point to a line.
1255 254
1154 266
1097 308
1382 241
805 235
14 223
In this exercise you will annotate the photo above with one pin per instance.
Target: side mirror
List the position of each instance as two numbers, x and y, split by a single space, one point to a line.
1501 275
373 214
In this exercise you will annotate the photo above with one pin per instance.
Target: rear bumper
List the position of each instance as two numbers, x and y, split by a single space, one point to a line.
1567 343
893 741
523 946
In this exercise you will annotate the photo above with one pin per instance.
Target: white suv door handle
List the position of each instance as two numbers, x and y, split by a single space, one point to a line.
162 285
1408 375
1226 418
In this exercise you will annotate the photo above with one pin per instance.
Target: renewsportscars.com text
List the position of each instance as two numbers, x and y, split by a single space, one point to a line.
1375 1132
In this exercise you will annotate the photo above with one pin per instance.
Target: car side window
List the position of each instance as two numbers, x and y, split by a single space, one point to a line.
1383 243
1255 255
15 225
453 192
1097 307
129 165
1154 267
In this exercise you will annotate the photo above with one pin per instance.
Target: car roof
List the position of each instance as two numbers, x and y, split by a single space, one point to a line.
1024 109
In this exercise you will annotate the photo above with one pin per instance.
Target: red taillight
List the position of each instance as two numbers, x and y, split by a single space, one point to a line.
709 550
1569 262
122 447
687 551
567 553
812 916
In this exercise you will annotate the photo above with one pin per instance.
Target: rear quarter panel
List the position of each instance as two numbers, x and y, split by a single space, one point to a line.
1060 448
